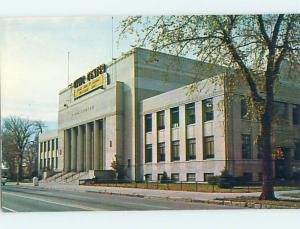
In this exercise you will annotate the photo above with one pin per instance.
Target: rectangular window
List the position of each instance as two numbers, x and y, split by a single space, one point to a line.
45 163
148 157
175 177
44 146
41 147
148 123
52 163
52 145
161 152
296 114
207 175
41 163
48 145
191 149
56 162
148 177
297 149
175 156
175 117
246 146
48 163
209 147
191 177
56 144
208 110
280 111
161 120
244 108
259 147
190 113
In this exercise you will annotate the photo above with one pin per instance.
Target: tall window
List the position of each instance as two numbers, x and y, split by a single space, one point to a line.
297 149
56 162
52 163
161 156
52 144
209 147
41 147
175 156
244 108
296 114
191 149
208 110
48 145
56 144
148 122
148 156
161 120
44 146
190 113
259 147
175 117
281 111
246 146
41 163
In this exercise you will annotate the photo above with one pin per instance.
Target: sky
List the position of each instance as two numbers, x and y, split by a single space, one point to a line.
34 63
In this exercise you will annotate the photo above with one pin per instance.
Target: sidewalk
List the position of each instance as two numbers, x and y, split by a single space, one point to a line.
151 193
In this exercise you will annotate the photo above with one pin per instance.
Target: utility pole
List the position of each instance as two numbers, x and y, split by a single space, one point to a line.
68 67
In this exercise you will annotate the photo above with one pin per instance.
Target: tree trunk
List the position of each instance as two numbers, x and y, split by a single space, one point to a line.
266 130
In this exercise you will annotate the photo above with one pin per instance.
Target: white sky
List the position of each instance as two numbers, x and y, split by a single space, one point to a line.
34 59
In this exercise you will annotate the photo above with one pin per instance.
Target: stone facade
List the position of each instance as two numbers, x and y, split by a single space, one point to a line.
206 138
49 153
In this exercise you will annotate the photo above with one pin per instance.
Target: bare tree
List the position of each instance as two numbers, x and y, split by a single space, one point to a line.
254 45
20 137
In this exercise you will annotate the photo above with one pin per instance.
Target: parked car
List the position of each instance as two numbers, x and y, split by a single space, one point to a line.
3 180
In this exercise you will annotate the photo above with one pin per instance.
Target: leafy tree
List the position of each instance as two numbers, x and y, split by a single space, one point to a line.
20 139
255 46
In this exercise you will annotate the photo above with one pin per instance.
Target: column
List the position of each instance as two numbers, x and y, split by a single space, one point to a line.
96 146
73 150
80 149
67 151
182 133
88 151
101 145
168 135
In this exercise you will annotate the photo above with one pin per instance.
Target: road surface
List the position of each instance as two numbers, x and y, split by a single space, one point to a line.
33 199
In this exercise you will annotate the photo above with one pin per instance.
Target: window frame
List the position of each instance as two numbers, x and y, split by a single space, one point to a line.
174 112
161 126
249 153
188 179
207 143
148 124
148 147
174 144
161 152
205 112
190 142
190 113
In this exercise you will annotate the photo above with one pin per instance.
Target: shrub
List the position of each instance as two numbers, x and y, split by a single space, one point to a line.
226 180
213 180
165 178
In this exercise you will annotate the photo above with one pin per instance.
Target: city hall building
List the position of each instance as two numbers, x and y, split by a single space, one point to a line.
146 111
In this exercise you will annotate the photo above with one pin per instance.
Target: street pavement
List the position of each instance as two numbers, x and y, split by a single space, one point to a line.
26 198
71 197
